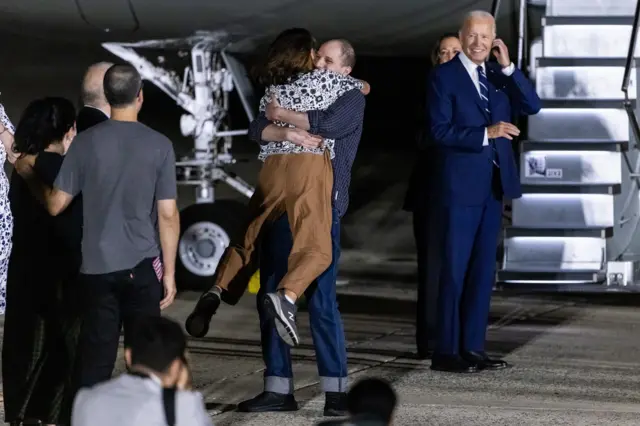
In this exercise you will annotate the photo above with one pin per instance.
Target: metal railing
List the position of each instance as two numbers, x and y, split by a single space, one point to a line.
626 80
635 128
522 22
522 32
495 6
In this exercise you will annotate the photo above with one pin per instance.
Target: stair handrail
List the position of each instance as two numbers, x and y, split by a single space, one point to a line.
626 80
522 28
633 120
495 6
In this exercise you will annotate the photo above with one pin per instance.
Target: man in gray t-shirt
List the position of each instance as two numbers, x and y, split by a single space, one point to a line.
126 174
122 169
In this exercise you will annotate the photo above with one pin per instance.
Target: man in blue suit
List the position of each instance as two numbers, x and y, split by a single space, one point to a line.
470 105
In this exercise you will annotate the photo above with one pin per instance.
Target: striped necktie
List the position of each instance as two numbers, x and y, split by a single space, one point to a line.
484 96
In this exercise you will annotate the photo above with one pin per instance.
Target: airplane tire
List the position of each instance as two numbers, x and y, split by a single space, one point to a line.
205 232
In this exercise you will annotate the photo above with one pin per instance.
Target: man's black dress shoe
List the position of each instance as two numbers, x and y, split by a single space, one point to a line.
483 361
268 401
453 364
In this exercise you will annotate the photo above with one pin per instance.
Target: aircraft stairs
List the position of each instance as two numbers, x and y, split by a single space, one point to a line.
575 227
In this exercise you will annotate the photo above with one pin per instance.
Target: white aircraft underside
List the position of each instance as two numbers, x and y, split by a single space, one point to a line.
376 27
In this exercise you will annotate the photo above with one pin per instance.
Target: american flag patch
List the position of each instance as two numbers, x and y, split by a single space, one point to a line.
157 268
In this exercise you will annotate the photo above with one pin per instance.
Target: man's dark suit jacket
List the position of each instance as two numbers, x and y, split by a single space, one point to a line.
89 117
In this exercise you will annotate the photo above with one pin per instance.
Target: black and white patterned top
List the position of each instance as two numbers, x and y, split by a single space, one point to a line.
6 218
4 182
315 90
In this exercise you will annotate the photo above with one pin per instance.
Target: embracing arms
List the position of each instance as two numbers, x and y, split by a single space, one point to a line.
67 185
340 119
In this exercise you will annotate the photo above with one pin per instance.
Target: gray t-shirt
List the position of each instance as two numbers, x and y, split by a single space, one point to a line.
122 169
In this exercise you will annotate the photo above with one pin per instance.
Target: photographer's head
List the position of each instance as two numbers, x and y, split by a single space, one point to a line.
157 346
372 398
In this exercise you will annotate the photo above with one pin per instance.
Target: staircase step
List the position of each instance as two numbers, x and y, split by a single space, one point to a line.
560 211
542 253
564 228
582 84
574 168
585 103
583 62
590 7
596 125
587 20
512 231
570 188
554 280
574 145
587 41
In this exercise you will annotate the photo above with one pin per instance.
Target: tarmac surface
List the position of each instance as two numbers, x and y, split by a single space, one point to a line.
575 359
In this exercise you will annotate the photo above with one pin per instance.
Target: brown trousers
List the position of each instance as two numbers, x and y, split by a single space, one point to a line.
299 185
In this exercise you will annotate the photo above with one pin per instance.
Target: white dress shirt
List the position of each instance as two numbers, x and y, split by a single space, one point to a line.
472 69
135 401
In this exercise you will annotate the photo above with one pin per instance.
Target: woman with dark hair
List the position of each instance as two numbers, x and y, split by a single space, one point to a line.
41 321
447 47
418 202
294 179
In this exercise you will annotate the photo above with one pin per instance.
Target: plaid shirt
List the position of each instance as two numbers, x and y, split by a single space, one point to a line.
342 121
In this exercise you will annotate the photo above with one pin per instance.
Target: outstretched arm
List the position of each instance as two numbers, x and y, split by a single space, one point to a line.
67 185
55 200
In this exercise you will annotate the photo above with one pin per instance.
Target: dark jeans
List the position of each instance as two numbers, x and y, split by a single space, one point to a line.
326 323
109 302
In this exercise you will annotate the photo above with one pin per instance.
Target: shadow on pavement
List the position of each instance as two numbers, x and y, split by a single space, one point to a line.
513 321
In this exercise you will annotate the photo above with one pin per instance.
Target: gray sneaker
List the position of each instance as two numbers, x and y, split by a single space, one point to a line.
283 313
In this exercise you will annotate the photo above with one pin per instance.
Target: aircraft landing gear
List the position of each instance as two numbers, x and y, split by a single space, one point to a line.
202 90
205 232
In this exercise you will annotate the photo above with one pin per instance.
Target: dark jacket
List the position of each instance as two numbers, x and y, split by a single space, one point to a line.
89 117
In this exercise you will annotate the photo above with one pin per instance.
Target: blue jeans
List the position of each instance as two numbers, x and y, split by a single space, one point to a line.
326 323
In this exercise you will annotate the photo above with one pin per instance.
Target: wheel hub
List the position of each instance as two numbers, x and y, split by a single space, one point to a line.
201 248
206 248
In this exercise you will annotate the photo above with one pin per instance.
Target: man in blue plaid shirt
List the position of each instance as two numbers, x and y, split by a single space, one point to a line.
342 121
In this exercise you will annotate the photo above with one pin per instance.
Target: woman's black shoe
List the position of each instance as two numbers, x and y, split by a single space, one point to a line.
197 323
